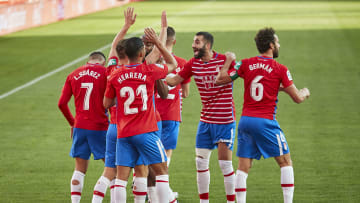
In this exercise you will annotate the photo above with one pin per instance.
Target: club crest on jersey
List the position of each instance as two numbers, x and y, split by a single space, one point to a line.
208 81
112 62
289 75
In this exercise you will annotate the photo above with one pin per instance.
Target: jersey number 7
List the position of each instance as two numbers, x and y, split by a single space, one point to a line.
89 88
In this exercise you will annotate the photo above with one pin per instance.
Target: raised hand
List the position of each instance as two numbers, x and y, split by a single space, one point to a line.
164 20
129 15
151 35
230 55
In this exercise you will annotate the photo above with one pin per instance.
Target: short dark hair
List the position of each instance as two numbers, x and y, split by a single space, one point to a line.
170 32
133 46
263 39
207 36
97 55
120 49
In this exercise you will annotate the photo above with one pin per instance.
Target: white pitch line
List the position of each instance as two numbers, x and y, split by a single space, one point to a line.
36 80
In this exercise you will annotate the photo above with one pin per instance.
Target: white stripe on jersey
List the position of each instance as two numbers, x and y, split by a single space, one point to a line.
215 122
221 112
218 61
213 96
222 117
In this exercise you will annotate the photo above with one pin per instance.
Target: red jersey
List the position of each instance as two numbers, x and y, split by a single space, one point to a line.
262 79
113 64
217 100
133 87
170 108
87 83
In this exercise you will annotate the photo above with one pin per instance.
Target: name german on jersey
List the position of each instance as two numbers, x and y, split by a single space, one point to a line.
255 66
93 74
131 75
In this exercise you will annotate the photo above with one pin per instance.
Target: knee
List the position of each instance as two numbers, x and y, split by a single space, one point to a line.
202 158
226 167
75 182
284 160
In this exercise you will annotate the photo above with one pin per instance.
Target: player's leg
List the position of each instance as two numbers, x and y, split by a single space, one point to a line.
109 173
140 182
224 136
247 150
169 137
80 150
204 145
240 179
126 157
271 142
153 153
287 176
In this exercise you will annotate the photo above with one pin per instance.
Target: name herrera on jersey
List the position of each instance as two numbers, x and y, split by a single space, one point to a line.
262 66
131 75
94 74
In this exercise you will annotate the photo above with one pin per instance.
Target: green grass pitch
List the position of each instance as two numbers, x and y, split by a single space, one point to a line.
320 44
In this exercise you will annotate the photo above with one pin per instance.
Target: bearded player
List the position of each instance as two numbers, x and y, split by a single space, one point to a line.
259 134
217 120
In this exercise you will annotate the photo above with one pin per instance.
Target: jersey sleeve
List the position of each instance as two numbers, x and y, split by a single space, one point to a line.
159 71
240 67
63 102
113 61
110 91
286 79
186 72
232 72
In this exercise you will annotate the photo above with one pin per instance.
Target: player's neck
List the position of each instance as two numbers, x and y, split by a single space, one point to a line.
267 54
207 57
135 61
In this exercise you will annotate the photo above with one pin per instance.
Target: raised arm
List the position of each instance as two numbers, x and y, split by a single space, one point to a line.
130 18
223 75
297 96
155 54
168 57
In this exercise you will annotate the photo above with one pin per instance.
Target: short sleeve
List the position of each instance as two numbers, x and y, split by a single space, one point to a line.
232 71
110 91
240 67
186 72
113 61
286 79
159 71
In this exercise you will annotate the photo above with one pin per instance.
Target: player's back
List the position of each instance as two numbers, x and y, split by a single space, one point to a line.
262 79
88 84
134 85
170 108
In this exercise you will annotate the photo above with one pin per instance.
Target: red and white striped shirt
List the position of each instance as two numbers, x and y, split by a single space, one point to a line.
217 100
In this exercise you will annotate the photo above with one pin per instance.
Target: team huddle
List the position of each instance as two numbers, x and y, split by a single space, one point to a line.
142 88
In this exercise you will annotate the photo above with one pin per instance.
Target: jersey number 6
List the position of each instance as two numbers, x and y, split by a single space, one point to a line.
256 88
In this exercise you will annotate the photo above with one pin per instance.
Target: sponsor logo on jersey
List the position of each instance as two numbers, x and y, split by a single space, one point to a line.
208 81
289 75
